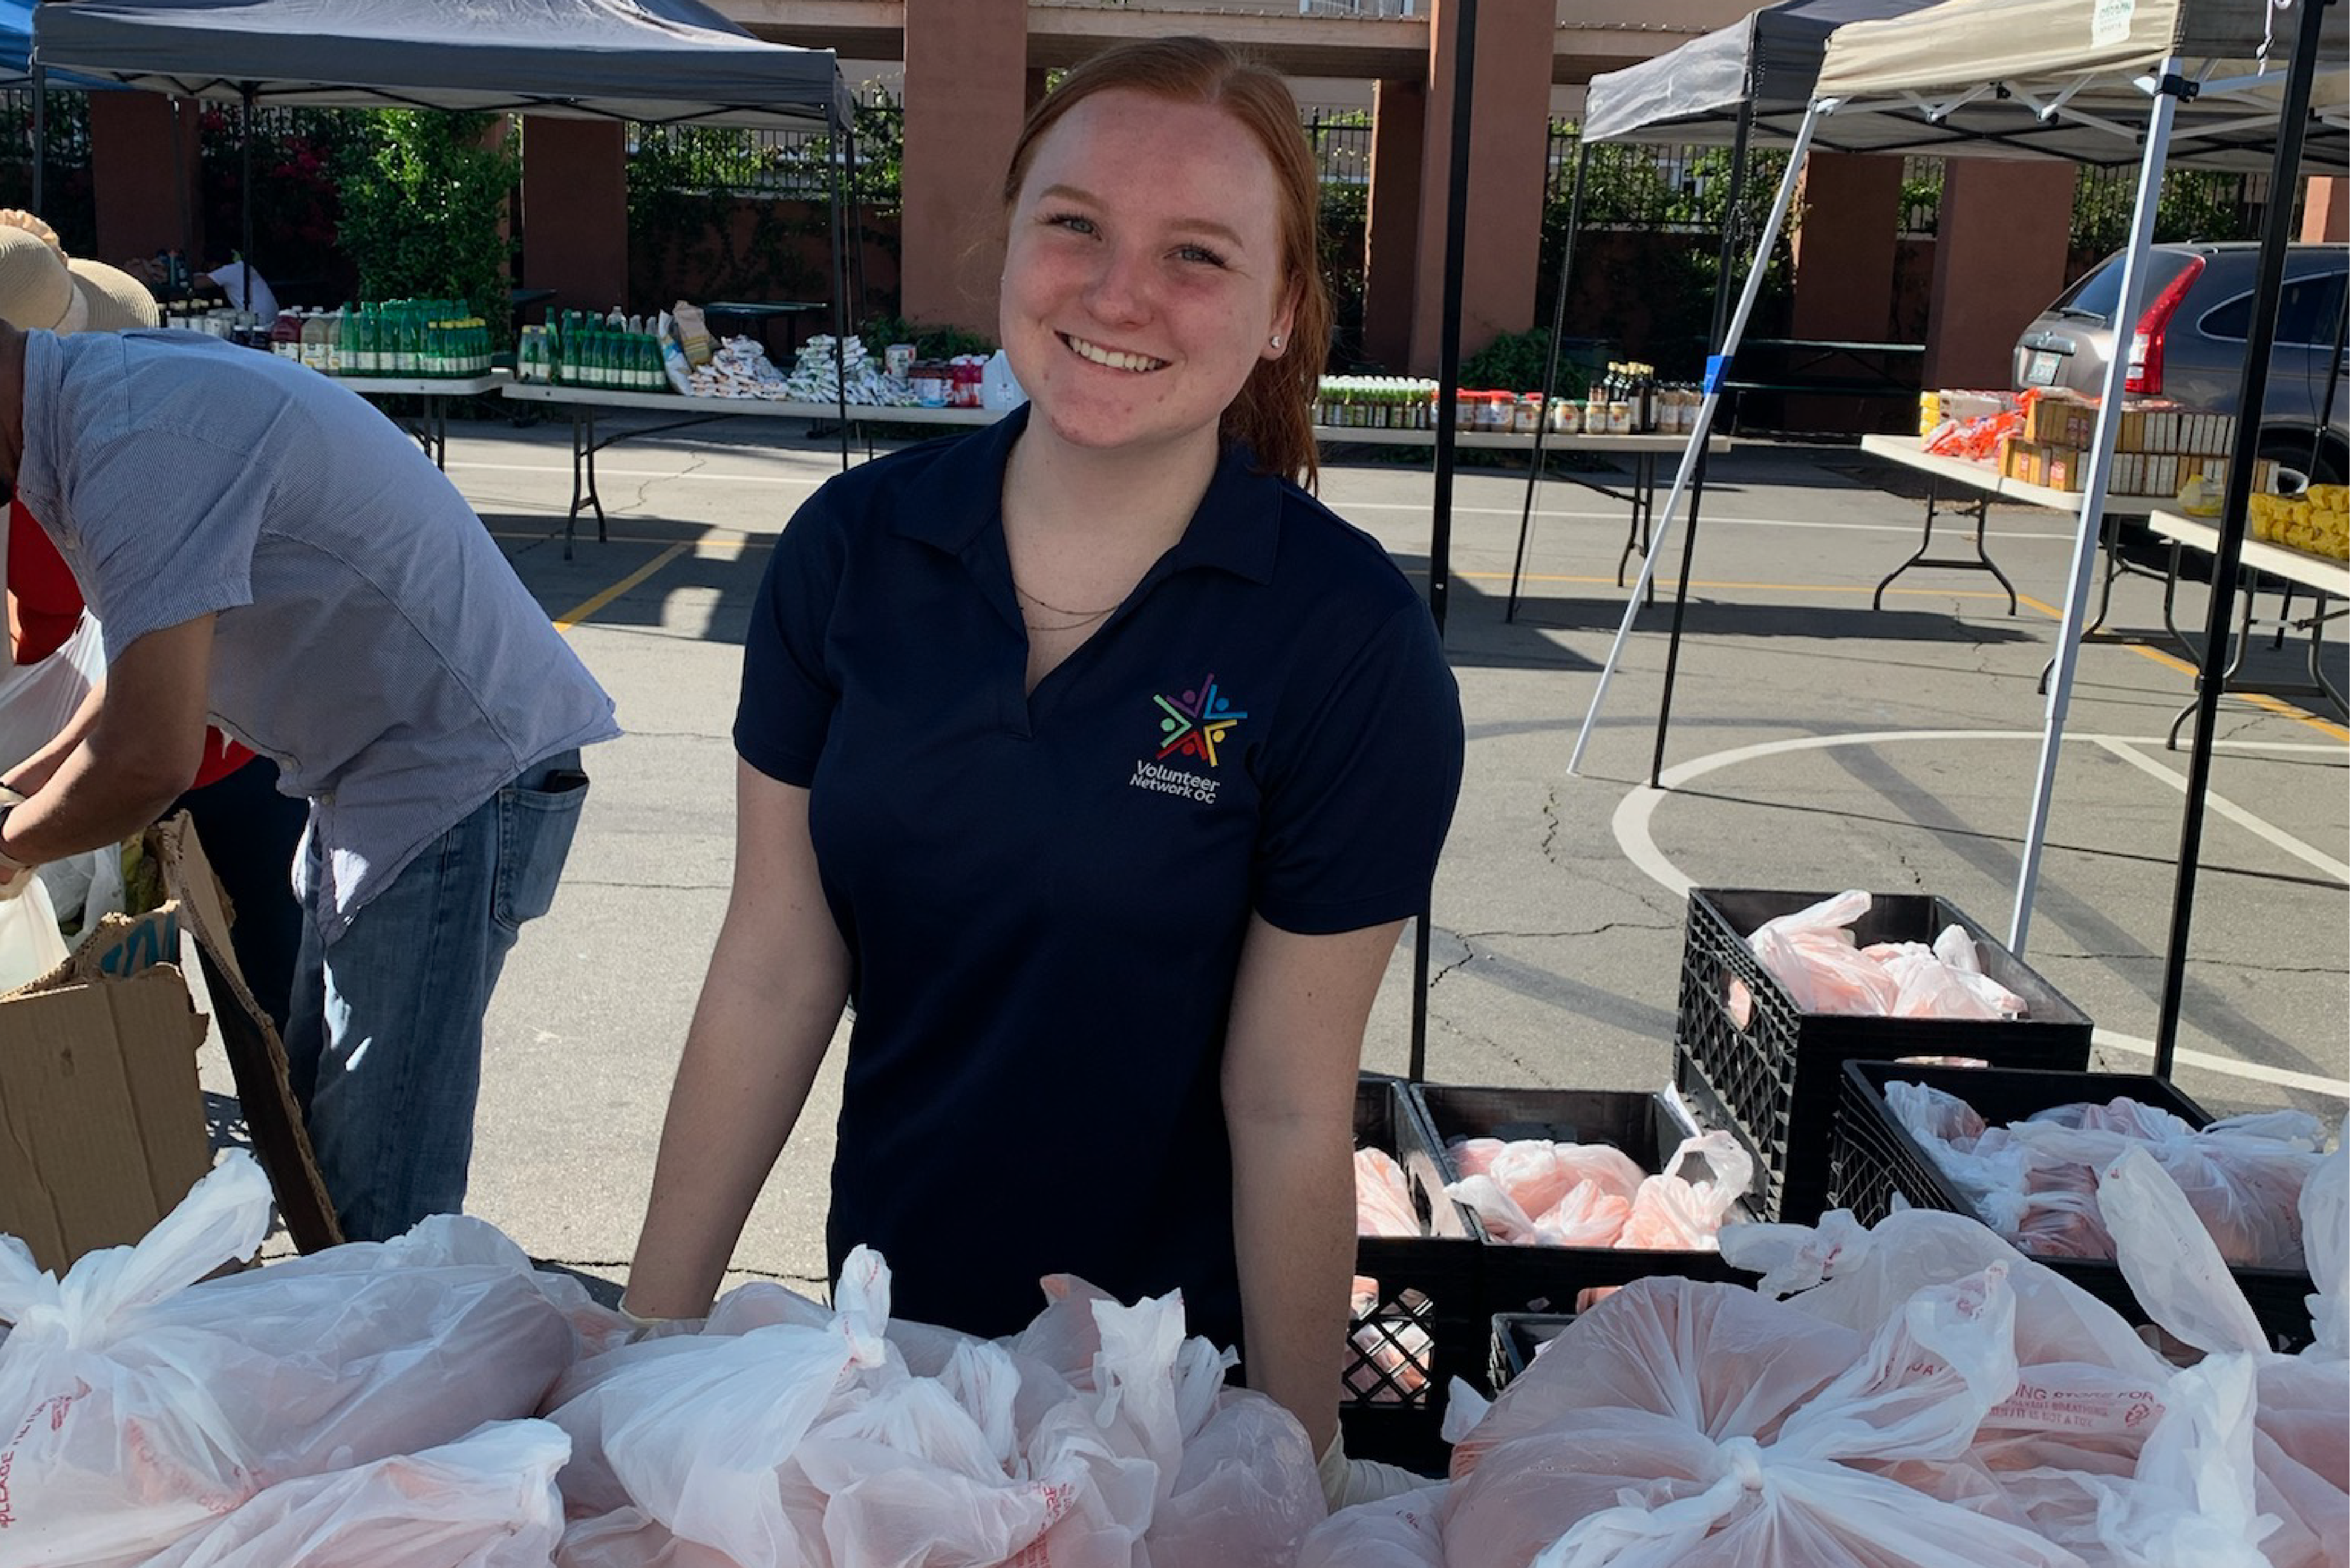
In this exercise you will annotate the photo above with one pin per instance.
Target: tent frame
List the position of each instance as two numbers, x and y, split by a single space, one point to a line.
2173 84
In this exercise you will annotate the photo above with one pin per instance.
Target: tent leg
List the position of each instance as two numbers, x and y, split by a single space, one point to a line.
1716 371
1447 382
244 189
1550 373
839 284
40 135
1697 484
2093 510
2276 232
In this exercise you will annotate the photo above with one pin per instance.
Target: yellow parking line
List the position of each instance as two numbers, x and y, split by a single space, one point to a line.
586 608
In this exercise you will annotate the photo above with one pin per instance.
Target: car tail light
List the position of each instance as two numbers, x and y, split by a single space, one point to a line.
2146 343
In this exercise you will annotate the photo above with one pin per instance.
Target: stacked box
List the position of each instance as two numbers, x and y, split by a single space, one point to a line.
1649 1127
1748 1060
1877 1165
1518 1338
1429 1322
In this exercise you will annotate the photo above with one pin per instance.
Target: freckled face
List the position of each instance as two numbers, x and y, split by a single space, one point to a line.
1143 278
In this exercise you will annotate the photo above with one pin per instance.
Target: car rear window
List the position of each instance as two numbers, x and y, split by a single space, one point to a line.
2307 313
2100 290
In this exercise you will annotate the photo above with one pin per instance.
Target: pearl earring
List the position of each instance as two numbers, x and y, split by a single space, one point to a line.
1276 342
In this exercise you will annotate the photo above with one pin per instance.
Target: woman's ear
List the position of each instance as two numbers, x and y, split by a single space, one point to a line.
1277 337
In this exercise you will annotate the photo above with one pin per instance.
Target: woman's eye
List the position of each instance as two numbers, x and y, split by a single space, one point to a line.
1071 221
1201 254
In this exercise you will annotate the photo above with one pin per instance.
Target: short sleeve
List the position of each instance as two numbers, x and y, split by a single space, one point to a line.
163 526
1356 810
788 691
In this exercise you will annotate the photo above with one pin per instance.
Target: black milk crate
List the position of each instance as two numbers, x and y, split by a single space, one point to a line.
1429 1324
1518 1336
1647 1127
1772 1080
1876 1160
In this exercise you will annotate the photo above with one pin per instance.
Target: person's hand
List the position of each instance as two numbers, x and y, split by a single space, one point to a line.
1346 1482
14 874
641 1328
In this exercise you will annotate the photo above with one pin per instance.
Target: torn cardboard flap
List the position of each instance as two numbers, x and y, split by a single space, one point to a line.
102 1127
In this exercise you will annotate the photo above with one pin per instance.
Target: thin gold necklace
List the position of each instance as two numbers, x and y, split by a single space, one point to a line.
1077 617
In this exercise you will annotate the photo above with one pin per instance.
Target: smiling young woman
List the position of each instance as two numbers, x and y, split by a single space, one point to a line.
1104 764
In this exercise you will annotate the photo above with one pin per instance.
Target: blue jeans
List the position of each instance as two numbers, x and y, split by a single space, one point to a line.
384 1042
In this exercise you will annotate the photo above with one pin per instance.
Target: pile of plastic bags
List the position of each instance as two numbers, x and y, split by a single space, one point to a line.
814 379
2036 1181
1534 1192
1814 954
1927 1398
1392 1349
434 1402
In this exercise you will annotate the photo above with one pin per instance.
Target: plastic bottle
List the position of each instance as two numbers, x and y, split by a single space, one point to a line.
285 337
316 329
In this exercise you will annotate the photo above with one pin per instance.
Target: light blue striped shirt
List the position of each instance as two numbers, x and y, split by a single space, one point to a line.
371 638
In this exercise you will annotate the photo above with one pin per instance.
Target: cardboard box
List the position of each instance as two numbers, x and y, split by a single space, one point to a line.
2061 419
102 1126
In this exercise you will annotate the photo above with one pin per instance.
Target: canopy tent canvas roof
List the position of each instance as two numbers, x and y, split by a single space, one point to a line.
651 60
16 51
2070 79
1691 94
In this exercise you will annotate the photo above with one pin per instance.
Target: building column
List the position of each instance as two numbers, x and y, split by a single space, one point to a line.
2325 216
1999 250
1509 143
1844 251
575 210
144 204
1391 228
966 94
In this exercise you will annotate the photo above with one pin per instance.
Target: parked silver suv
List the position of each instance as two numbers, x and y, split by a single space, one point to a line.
2188 342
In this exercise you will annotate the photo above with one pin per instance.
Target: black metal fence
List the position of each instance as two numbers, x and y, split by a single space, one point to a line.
68 194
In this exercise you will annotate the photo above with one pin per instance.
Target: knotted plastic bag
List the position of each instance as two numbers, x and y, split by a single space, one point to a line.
487 1500
138 1403
1728 1448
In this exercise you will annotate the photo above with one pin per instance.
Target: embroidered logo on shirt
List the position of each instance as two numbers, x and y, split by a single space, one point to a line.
1197 724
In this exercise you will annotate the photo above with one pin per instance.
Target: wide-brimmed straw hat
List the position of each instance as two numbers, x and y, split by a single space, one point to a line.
42 287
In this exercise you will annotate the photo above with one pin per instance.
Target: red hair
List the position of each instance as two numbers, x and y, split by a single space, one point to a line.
1274 415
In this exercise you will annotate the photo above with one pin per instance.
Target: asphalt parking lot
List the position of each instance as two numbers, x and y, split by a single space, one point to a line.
1816 744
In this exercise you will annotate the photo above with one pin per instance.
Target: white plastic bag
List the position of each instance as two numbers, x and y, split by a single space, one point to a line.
487 1500
1400 1532
30 945
1740 1459
1812 954
143 1403
1672 1211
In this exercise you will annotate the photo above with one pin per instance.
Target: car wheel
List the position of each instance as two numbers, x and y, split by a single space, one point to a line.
2327 464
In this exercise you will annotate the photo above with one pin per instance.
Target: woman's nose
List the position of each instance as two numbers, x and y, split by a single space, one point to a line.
1120 290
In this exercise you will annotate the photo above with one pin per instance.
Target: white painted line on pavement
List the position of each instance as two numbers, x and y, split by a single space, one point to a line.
1634 813
2184 1057
2236 814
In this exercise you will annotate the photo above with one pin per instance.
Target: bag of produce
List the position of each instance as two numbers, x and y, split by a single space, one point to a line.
487 1500
139 1401
1691 1425
1398 1533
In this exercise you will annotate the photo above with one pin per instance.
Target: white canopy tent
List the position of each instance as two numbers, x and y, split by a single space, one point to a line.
2199 83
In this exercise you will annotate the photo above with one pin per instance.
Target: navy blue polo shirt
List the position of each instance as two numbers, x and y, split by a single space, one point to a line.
1044 896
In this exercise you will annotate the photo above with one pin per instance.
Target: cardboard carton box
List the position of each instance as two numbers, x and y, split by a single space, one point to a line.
101 1121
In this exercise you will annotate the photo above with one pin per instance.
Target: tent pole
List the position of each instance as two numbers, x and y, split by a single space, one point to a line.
180 190
839 281
1696 484
1448 383
40 134
1550 369
1717 370
244 191
2093 501
2276 232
